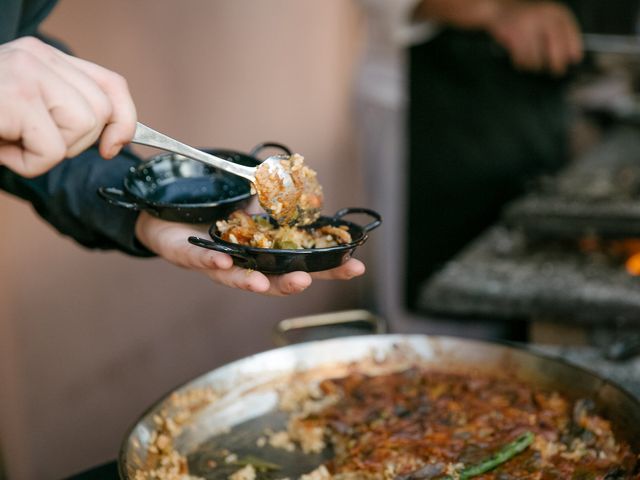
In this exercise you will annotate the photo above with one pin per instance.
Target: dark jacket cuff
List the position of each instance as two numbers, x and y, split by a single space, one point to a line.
66 198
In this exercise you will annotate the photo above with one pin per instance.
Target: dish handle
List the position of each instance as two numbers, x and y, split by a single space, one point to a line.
369 226
263 146
218 247
115 196
330 321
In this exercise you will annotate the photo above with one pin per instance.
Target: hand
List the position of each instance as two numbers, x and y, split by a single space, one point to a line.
55 106
539 35
169 241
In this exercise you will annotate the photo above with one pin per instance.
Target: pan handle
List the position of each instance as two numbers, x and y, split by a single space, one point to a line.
376 324
264 145
218 247
369 226
115 196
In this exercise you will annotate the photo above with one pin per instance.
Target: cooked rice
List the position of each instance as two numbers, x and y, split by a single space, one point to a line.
245 473
320 473
258 232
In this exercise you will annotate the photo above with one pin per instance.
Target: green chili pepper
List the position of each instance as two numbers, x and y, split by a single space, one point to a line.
503 455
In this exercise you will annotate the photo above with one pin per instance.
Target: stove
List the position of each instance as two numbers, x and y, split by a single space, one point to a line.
553 257
502 275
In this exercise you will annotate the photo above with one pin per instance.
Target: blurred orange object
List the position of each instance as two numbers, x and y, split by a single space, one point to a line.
633 264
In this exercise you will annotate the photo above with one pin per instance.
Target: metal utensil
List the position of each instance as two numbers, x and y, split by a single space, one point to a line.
280 203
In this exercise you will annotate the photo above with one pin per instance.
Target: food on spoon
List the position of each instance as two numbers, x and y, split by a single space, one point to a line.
257 231
300 205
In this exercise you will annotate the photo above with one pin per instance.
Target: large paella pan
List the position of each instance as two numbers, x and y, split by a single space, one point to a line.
379 400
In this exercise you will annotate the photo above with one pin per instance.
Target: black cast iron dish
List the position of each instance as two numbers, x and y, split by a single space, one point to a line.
179 189
271 260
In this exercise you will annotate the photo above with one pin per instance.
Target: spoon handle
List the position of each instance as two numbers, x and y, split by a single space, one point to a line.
148 136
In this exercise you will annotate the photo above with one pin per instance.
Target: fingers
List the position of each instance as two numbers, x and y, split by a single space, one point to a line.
252 281
563 42
539 36
101 106
121 125
42 143
83 101
194 257
558 57
108 91
529 51
296 282
242 279
573 38
350 269
289 283
98 102
71 113
40 117
169 241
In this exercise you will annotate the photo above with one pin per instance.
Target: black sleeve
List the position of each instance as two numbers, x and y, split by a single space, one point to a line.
66 195
66 198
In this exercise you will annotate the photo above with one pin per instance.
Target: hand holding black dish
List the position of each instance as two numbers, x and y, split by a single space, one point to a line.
290 193
285 260
287 190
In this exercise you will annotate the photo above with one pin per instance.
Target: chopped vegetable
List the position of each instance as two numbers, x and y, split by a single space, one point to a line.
257 231
503 455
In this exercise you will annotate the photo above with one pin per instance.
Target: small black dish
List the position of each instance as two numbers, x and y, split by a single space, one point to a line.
179 189
269 260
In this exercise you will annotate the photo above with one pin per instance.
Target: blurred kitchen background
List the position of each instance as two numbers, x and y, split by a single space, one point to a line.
89 339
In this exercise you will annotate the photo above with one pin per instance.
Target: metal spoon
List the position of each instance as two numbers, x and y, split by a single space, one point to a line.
279 196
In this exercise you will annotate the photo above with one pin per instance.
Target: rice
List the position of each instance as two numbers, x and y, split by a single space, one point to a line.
245 473
281 440
320 473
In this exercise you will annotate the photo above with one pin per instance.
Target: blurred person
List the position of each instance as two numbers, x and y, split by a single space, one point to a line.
55 107
460 104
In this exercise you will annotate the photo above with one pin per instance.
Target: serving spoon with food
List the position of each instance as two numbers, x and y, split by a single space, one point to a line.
287 189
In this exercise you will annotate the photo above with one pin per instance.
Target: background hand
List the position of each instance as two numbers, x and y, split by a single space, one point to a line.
539 35
169 241
55 106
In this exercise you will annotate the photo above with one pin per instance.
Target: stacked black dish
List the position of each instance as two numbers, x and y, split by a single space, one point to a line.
178 189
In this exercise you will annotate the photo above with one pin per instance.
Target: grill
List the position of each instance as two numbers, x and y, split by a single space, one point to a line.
598 195
534 264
